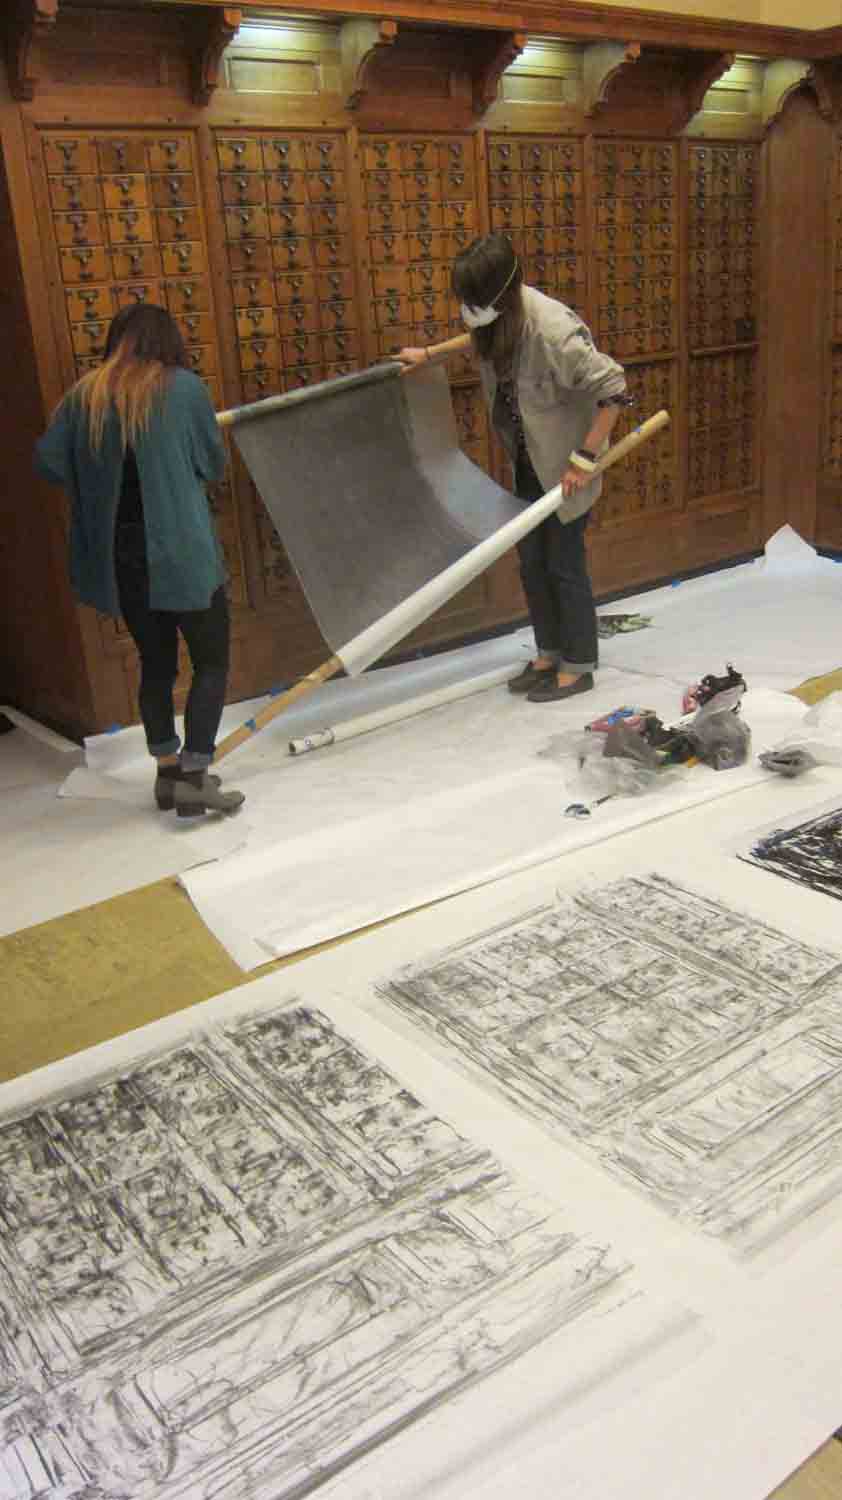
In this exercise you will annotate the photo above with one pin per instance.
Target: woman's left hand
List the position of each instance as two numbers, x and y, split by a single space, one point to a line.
573 480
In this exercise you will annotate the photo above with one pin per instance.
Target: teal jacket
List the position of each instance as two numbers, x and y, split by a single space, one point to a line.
180 453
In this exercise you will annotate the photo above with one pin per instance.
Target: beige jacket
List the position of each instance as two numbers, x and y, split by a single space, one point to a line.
559 376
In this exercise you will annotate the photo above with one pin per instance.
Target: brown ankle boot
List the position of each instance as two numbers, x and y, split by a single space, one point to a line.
197 793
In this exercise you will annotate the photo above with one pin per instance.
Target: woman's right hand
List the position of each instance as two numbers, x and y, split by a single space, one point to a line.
411 359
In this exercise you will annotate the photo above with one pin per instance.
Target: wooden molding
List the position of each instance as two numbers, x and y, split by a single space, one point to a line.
361 41
821 45
582 20
217 30
26 22
781 79
573 20
486 79
603 64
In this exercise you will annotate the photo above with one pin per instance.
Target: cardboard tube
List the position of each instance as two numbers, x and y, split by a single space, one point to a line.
379 718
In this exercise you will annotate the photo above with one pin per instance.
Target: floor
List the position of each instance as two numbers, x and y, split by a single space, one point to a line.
107 968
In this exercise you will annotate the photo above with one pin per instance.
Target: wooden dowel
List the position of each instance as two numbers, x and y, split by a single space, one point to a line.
284 700
632 440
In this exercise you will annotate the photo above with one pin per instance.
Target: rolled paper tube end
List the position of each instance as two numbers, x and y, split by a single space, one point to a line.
312 742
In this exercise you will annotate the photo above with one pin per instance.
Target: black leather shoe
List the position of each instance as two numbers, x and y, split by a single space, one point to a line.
530 677
550 692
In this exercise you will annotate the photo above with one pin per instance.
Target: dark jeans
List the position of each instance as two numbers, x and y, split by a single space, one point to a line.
155 633
554 573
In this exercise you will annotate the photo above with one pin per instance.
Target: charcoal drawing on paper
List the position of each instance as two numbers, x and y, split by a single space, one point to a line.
695 1051
229 1269
809 852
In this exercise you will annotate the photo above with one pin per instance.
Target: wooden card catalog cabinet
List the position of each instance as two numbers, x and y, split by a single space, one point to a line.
636 295
635 236
290 257
833 440
284 200
723 237
536 197
832 455
647 483
722 422
128 228
421 211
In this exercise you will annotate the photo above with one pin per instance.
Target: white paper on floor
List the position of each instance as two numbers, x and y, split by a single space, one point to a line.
426 809
123 752
31 755
427 806
773 618
70 852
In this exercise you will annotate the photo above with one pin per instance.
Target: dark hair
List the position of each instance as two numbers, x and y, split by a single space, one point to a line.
142 348
488 274
147 332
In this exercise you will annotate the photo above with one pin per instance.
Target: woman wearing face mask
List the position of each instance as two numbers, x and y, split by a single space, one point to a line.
553 398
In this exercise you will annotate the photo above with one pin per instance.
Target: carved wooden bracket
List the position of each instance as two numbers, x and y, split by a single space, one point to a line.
504 48
602 65
361 41
825 81
26 22
780 80
217 29
660 88
714 66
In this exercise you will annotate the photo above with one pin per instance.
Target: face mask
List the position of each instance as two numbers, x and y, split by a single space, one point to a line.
478 317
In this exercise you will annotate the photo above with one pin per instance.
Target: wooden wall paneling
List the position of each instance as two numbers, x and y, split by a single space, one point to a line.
232 501
42 662
636 301
828 506
723 389
361 281
608 237
797 313
287 244
680 418
106 698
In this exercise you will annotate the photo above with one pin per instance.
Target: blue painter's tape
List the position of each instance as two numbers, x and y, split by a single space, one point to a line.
113 729
676 583
275 691
251 724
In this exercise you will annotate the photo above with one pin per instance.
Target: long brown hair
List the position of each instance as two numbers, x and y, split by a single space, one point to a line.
488 274
142 347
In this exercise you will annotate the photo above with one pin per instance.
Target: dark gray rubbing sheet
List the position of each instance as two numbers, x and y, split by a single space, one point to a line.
233 1267
366 486
694 1050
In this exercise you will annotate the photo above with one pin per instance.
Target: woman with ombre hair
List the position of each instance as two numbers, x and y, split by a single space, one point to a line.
135 443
